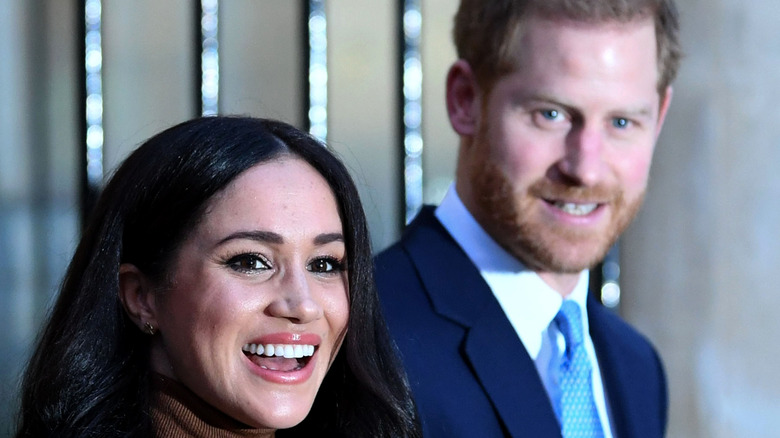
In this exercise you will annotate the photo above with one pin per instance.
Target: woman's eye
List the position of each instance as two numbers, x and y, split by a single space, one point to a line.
247 263
325 265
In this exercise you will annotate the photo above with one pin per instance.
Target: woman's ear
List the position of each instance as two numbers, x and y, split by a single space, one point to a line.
136 295
463 98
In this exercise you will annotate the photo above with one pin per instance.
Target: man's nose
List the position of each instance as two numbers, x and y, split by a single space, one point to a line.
583 161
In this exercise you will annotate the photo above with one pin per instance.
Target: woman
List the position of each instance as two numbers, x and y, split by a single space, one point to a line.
222 288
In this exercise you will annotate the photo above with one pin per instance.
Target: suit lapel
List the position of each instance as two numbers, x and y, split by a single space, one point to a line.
490 346
509 376
634 410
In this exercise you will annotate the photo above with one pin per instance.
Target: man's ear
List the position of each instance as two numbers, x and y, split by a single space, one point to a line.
135 292
463 98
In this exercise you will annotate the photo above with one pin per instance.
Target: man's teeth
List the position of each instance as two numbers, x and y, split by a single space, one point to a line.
280 350
575 209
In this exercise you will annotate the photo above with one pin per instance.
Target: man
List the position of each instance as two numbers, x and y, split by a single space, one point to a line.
558 105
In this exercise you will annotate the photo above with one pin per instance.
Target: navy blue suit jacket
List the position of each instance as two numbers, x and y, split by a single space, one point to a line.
469 371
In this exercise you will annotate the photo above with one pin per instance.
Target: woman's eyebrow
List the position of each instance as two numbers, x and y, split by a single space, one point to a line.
271 237
325 238
260 236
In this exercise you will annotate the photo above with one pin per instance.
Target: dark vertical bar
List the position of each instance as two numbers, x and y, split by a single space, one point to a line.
86 201
400 100
410 107
91 106
305 12
316 46
197 65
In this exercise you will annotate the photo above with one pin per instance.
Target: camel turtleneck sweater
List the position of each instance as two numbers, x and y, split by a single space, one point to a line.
178 412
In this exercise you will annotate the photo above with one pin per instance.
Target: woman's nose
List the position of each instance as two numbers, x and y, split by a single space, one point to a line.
294 300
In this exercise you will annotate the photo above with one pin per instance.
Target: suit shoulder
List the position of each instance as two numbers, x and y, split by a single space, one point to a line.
390 255
395 264
612 325
633 372
621 343
392 265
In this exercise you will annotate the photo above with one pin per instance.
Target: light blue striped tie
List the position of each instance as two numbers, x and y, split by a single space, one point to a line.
579 417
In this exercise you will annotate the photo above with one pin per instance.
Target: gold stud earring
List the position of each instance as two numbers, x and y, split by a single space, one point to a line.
149 328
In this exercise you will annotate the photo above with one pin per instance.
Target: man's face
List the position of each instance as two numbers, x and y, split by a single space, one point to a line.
558 165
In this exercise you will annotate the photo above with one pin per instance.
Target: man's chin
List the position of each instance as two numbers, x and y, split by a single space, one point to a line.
561 257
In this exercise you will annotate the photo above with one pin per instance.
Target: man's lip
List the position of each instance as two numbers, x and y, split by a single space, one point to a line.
553 201
576 212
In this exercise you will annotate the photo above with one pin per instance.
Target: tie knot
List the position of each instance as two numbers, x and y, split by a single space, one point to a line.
569 322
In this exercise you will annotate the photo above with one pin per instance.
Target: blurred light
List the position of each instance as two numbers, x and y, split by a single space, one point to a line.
413 145
209 58
412 108
610 278
412 20
318 70
93 65
610 294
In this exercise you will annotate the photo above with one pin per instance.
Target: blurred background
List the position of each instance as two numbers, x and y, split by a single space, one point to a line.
697 268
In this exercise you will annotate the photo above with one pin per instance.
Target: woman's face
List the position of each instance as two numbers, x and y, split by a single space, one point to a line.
258 306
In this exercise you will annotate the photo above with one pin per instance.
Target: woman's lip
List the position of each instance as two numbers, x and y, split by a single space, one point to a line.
288 338
284 377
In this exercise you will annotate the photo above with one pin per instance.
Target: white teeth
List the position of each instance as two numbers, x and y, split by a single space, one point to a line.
279 350
575 209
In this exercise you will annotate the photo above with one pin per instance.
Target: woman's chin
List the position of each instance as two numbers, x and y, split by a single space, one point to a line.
277 422
283 415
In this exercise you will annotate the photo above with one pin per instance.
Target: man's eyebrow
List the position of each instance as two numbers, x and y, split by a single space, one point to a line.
541 97
544 97
644 111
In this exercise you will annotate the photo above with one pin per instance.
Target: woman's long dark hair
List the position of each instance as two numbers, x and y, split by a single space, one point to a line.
88 375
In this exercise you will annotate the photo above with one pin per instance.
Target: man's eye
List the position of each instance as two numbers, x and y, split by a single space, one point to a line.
551 114
325 265
247 263
620 122
550 119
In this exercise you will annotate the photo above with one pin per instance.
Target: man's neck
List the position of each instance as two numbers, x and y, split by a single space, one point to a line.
562 283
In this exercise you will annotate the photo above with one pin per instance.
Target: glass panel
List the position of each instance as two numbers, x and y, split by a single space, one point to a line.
441 142
261 60
362 106
147 71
